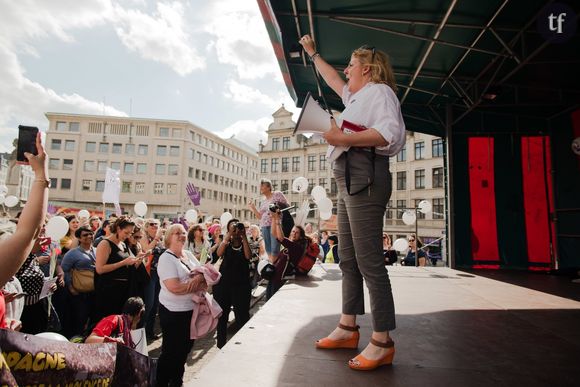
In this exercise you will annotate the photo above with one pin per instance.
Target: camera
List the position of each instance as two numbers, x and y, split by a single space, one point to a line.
274 207
239 226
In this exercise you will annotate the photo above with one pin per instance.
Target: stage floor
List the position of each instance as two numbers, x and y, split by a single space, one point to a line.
453 329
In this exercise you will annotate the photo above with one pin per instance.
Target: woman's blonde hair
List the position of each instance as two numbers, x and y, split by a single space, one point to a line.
170 231
379 63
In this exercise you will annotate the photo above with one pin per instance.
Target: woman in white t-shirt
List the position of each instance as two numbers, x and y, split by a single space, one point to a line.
372 129
176 305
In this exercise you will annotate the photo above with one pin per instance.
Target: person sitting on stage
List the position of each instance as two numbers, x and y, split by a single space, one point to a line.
117 328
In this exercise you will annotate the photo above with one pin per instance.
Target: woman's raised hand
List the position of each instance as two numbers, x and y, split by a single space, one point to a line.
308 44
38 162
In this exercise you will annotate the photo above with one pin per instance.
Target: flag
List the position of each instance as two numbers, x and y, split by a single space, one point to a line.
112 186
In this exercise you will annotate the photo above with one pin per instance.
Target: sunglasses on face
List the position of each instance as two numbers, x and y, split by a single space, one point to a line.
137 237
411 240
86 235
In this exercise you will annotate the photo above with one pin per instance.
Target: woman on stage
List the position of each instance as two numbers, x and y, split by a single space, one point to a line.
373 113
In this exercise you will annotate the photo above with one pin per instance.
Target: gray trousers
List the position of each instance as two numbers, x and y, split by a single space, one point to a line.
360 243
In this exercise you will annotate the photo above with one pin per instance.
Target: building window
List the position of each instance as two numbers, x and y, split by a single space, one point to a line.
204 177
74 127
419 179
438 177
67 165
100 186
140 187
141 168
438 208
189 172
284 185
163 132
173 151
116 165
129 168
401 181
420 215
160 169
402 155
158 188
285 164
102 166
311 163
130 149
172 170
142 150
296 164
419 150
171 189
176 133
127 186
322 182
117 149
285 143
53 163
64 183
437 147
333 187
275 144
89 166
401 205
104 147
197 171
53 182
55 144
90 147
311 184
389 213
87 185
274 166
61 126
274 186
69 145
322 163
161 150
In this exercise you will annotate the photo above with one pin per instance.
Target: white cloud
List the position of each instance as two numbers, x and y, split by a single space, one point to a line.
249 132
245 94
162 37
241 39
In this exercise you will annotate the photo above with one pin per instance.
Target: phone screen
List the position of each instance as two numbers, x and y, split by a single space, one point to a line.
26 142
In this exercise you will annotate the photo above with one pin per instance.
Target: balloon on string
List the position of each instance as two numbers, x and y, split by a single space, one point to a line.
11 201
225 218
262 264
326 215
300 185
56 227
2 198
52 336
3 189
318 193
401 244
424 206
191 216
140 208
409 217
84 214
324 205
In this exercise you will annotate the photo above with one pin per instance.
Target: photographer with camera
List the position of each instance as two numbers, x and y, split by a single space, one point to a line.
234 287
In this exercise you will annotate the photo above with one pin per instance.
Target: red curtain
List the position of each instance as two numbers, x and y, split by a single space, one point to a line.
484 245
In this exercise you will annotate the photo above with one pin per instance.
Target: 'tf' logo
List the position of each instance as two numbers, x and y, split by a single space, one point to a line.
560 20
557 22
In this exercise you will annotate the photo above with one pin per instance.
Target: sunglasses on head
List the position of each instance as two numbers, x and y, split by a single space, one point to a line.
372 50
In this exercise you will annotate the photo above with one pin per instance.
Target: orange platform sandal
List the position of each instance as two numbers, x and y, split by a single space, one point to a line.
361 363
350 343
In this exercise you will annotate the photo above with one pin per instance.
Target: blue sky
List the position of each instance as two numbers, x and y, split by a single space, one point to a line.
208 62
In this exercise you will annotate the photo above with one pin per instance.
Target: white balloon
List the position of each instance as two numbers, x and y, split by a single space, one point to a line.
191 216
11 201
225 218
425 206
326 215
2 198
401 244
140 208
84 214
324 205
56 227
318 193
262 264
300 184
51 336
409 217
3 189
